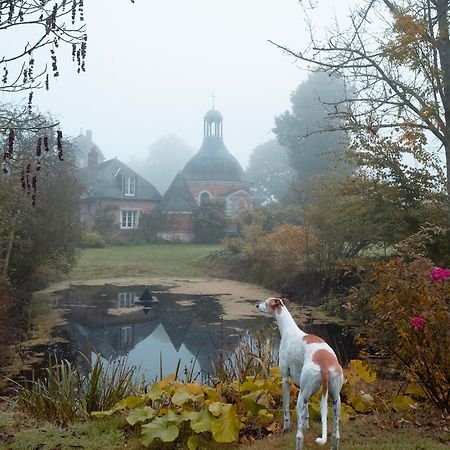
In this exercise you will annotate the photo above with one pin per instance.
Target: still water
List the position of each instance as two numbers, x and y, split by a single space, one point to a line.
155 330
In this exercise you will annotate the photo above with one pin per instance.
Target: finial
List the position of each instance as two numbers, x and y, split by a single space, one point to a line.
213 98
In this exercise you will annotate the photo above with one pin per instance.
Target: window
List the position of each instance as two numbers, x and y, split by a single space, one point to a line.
129 186
129 218
126 337
126 299
204 198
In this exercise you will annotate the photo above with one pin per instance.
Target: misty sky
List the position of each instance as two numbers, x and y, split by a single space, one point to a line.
152 67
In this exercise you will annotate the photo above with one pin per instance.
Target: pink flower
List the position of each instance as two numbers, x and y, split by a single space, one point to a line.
439 274
418 323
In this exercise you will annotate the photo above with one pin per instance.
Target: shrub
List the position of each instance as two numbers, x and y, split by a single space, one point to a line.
409 323
92 239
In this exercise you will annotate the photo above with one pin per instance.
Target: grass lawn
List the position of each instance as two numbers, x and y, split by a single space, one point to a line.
175 260
390 431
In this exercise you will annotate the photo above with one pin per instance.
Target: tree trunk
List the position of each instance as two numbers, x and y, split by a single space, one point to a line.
442 9
8 253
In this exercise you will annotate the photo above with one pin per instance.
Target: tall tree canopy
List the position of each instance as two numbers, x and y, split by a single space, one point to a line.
166 157
44 230
270 173
395 54
308 130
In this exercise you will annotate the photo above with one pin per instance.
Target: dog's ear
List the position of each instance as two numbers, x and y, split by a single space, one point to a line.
286 302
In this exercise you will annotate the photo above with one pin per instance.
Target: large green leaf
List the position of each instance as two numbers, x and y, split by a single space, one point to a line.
173 417
226 427
182 396
254 401
159 428
201 421
193 442
141 415
155 392
216 408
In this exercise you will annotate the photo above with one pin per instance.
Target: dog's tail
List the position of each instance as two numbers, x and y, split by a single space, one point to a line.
323 413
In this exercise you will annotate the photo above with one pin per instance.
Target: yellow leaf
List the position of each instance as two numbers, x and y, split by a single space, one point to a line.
194 388
402 402
226 427
275 372
357 371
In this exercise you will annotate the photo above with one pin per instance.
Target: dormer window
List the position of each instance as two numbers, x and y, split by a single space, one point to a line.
129 186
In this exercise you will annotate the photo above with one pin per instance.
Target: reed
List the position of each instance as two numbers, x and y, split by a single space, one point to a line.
60 394
253 356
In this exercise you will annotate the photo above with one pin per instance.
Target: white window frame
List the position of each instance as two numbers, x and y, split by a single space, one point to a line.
126 336
129 186
126 299
129 219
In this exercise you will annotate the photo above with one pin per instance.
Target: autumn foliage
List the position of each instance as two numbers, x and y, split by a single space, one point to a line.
410 322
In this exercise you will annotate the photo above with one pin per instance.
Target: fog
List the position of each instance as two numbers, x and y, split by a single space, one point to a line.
153 66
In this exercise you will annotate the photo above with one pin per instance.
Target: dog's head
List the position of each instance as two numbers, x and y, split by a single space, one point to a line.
273 305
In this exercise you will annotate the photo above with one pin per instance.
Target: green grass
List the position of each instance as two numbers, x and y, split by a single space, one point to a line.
368 432
176 260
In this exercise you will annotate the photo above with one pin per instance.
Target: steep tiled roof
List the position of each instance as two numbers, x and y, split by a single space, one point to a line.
108 182
213 162
178 197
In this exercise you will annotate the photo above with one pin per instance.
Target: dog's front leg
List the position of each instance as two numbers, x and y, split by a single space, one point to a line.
286 398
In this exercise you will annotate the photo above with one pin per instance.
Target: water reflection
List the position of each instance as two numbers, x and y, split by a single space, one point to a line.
154 329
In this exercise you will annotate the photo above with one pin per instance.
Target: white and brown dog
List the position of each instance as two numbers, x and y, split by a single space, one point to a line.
311 363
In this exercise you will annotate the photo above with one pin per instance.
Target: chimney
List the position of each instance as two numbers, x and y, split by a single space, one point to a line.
89 137
92 165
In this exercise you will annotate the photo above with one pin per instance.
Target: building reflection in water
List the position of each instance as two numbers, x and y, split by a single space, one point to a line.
148 326
119 322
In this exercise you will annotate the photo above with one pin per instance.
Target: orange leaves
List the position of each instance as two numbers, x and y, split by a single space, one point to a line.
410 35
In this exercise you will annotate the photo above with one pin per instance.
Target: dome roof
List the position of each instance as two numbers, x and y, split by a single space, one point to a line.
213 116
213 162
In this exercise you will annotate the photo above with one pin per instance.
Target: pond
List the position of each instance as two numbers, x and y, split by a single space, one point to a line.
155 330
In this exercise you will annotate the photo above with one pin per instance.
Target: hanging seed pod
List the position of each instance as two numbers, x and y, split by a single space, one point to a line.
46 143
59 144
30 102
81 10
39 147
10 149
33 199
22 180
74 11
11 12
47 86
5 75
